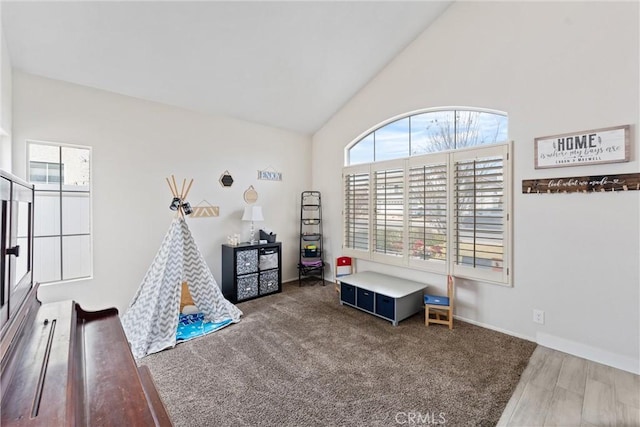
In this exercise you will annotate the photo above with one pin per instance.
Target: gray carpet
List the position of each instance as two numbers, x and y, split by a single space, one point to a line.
299 358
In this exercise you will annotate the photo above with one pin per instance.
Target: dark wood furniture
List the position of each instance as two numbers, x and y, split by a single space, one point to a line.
16 244
251 271
62 365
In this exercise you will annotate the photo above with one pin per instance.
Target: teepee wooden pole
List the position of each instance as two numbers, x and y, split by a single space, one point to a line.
173 193
188 189
184 182
175 185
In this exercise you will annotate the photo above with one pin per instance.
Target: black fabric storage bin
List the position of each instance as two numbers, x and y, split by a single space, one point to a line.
385 306
270 238
365 299
348 293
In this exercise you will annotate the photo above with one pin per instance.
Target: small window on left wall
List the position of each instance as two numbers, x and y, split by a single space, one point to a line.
62 214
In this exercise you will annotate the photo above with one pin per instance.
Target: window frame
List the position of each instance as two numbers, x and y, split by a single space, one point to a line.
370 132
60 190
449 158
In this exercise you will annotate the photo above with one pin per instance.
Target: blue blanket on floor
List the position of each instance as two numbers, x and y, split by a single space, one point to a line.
193 326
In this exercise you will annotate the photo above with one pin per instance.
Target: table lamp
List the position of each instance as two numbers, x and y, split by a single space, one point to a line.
252 213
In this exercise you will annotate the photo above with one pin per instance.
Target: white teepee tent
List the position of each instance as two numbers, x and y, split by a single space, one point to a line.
151 320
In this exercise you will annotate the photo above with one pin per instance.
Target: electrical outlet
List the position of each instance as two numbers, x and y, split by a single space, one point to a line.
538 316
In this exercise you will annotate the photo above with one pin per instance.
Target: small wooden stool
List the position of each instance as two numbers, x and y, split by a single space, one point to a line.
440 307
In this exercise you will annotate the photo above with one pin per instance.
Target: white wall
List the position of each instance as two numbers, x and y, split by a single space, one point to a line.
136 144
554 67
5 102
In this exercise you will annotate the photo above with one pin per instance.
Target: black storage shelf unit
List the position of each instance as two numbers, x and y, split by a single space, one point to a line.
251 271
311 259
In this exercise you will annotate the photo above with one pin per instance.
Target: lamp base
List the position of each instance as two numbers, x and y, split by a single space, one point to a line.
252 240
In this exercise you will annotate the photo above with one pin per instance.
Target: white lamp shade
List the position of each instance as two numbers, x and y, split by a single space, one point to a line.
252 213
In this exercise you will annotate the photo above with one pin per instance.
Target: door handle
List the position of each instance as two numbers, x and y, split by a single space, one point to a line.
14 251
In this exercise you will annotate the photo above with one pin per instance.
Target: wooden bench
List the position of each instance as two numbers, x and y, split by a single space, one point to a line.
388 297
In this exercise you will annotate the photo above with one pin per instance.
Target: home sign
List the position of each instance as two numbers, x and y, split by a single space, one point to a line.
607 145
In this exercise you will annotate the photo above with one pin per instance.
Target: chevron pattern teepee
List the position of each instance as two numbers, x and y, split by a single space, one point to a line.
151 320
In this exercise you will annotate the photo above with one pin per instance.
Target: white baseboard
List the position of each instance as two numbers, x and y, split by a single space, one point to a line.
571 347
493 328
594 354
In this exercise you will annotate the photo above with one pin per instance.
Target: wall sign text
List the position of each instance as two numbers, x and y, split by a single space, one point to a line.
267 175
607 145
583 184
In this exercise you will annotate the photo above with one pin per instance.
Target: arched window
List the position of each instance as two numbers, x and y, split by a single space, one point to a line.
430 131
431 190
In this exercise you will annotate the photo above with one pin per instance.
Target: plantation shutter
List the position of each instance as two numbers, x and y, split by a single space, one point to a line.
480 214
427 201
447 213
356 211
388 220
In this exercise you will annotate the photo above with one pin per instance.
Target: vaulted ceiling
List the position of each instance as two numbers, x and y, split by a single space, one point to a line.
289 65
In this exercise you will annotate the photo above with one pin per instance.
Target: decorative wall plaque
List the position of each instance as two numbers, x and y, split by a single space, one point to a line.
205 209
607 145
583 184
269 175
226 180
250 195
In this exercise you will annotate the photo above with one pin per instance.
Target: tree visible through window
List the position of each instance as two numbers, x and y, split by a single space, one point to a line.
62 225
429 132
437 194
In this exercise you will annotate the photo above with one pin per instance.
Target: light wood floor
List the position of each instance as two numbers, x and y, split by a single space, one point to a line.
558 389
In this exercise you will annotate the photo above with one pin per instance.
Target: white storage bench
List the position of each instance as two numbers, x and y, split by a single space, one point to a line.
391 298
